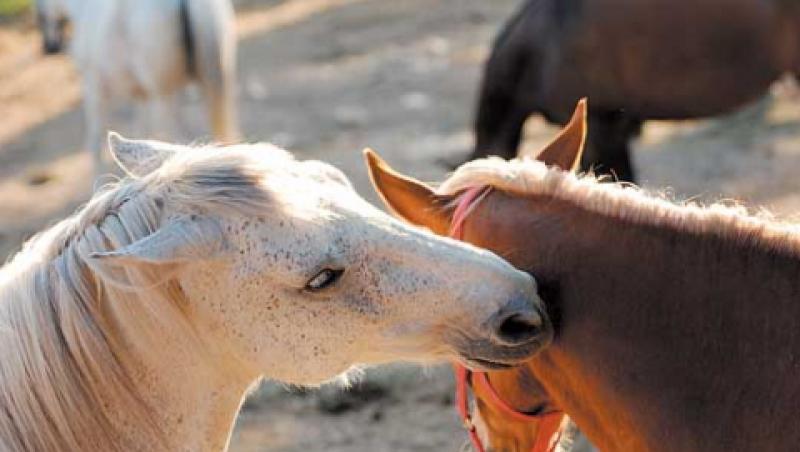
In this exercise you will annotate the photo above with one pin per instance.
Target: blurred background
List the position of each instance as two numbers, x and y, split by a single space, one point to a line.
326 78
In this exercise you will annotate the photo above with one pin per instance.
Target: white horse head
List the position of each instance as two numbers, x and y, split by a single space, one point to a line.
211 267
53 16
293 266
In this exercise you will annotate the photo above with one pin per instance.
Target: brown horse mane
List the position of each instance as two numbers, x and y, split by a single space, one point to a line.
725 219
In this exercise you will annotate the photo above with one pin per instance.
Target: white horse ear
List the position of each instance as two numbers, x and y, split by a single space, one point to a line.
139 158
182 240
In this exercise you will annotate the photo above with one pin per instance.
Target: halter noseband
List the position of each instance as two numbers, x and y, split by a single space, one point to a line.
550 424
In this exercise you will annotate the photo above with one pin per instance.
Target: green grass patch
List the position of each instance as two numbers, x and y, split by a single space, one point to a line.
13 7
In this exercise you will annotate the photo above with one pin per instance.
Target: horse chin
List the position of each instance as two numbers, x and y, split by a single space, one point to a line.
486 355
482 365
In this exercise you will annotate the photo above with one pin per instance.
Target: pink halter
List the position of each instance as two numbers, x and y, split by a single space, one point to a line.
551 425
468 201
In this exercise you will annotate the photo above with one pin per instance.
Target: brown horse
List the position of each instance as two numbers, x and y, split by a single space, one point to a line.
677 326
636 60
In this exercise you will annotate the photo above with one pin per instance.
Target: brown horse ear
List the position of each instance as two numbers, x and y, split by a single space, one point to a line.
406 197
566 149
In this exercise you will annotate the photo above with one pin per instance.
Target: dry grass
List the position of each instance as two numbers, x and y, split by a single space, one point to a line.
13 7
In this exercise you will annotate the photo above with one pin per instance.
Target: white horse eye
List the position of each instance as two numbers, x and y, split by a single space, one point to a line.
324 279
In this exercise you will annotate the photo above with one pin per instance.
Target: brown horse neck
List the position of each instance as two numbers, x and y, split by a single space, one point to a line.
663 335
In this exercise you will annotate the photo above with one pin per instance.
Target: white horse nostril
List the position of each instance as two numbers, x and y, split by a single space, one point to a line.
517 326
520 326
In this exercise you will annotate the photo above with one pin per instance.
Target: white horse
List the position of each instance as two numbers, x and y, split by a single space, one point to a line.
148 50
140 322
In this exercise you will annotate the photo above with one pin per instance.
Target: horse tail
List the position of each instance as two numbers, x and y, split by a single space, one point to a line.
209 35
188 40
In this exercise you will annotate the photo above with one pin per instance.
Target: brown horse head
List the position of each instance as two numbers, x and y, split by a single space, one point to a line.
420 204
674 322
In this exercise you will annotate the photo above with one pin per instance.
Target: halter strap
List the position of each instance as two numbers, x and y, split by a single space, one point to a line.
551 425
462 405
466 204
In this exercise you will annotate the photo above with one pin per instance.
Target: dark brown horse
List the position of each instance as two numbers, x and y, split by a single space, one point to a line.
678 326
636 60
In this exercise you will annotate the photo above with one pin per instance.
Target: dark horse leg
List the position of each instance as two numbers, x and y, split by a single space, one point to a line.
511 82
498 125
608 146
505 102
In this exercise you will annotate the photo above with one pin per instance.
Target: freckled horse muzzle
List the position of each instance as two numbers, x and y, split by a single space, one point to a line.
518 330
514 338
519 324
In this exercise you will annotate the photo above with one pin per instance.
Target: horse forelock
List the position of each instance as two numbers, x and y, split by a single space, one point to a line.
624 201
61 372
203 177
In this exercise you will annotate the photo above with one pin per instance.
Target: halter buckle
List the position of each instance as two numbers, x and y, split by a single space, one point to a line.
468 424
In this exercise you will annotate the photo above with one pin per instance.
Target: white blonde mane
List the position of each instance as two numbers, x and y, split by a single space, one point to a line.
623 201
61 363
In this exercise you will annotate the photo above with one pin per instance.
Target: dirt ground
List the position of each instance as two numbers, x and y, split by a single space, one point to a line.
326 78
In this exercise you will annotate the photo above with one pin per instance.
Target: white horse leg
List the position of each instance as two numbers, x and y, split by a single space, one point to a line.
181 130
96 107
212 26
138 118
222 111
163 117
